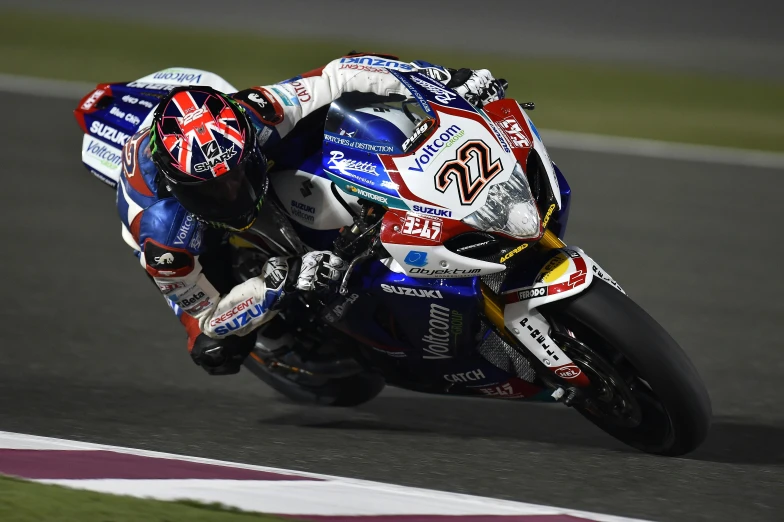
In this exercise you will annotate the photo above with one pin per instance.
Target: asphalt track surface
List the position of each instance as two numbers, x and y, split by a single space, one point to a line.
91 351
736 37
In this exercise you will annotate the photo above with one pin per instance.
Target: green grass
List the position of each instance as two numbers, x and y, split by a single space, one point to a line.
22 501
603 99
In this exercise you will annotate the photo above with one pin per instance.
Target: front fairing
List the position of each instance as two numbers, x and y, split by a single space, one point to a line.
453 168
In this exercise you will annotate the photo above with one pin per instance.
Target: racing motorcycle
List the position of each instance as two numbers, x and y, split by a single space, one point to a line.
459 283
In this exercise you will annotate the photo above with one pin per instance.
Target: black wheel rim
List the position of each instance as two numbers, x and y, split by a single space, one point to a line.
620 401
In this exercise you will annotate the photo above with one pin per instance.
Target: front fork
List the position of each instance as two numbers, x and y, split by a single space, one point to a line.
515 316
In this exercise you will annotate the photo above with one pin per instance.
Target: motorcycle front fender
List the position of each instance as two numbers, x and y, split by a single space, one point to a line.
551 276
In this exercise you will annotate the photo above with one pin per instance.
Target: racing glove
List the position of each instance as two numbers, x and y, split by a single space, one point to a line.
320 271
477 87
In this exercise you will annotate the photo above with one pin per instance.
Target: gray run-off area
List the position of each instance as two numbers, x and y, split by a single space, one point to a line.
92 352
729 37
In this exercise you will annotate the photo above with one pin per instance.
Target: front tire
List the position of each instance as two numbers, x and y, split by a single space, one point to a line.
645 391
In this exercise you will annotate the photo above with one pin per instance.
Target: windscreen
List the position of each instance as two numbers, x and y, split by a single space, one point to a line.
374 123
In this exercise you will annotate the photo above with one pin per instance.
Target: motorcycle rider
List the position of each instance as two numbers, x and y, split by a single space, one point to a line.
199 173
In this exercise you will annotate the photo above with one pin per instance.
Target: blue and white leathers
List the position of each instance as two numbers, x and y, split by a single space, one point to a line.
171 244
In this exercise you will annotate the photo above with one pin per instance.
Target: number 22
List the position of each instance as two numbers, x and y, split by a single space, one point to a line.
459 170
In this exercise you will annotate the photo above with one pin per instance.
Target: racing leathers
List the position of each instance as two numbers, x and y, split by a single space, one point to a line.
189 260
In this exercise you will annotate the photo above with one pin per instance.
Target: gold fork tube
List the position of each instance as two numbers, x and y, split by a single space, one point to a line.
493 305
493 308
550 241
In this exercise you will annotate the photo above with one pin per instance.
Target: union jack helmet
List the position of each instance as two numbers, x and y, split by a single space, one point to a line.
206 149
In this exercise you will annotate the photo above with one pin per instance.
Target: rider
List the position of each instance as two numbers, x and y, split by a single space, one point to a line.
199 172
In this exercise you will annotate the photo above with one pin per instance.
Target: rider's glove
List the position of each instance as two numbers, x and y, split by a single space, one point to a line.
320 271
476 87
222 356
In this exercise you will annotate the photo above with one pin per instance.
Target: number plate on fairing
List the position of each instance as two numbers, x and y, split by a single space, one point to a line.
457 164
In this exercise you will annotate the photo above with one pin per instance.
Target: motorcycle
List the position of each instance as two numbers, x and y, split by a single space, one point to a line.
459 282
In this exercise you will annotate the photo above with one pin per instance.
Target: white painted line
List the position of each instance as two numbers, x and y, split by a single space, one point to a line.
43 87
331 496
662 149
553 138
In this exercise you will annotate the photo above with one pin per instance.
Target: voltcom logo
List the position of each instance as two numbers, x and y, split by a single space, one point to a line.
178 76
105 154
444 324
303 211
429 152
185 227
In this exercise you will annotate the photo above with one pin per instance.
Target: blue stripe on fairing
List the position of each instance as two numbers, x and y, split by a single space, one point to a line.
533 128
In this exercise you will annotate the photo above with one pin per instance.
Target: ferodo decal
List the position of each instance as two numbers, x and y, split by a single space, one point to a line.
554 269
470 181
530 293
524 294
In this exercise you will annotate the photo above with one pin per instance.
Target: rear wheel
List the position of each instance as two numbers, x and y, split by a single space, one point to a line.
645 391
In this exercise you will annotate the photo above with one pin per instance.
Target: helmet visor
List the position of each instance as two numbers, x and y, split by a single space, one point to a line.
228 197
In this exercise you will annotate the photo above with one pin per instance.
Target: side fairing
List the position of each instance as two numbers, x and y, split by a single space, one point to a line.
431 320
423 333
307 197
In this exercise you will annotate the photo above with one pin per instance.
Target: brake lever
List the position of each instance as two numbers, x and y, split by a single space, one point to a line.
358 259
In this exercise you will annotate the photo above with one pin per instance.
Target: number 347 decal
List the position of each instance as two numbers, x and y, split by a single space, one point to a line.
470 181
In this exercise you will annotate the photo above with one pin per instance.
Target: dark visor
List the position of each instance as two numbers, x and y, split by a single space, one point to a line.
226 197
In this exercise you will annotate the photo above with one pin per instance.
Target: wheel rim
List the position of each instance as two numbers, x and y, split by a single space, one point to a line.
620 401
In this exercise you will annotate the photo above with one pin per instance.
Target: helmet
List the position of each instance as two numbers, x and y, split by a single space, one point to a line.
206 149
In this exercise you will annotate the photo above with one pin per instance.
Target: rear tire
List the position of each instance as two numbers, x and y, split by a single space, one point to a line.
671 407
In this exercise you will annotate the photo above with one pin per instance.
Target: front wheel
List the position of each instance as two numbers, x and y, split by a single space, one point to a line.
645 391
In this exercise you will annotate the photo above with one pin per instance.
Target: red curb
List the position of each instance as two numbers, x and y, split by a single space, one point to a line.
57 464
